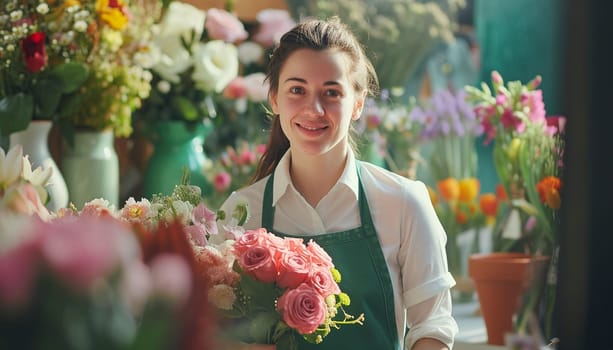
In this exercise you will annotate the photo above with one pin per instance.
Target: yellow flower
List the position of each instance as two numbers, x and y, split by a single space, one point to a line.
469 189
513 149
449 188
111 12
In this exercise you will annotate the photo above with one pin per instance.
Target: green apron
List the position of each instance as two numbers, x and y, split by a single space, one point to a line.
358 256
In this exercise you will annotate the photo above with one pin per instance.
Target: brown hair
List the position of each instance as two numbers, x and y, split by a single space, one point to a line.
314 34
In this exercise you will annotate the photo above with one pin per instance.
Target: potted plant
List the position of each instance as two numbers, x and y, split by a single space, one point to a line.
527 156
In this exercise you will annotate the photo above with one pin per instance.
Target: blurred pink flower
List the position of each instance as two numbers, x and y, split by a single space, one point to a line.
222 181
171 277
273 23
223 25
235 89
18 272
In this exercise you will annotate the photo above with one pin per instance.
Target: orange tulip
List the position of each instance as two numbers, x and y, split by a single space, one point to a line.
449 188
549 191
488 204
501 193
469 189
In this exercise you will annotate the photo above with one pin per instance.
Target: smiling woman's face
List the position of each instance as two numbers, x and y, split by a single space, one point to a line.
316 101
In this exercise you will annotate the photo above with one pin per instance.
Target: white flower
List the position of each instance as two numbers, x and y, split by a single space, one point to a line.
10 166
181 21
39 178
215 65
249 52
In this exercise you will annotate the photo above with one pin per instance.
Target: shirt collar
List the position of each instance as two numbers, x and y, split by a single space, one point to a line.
283 182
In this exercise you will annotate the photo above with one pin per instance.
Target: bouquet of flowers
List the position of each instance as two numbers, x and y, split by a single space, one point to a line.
278 289
43 52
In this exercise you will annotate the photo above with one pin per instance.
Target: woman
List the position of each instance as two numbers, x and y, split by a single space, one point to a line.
380 228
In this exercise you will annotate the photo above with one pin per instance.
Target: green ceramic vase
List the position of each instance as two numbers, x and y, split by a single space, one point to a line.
91 168
177 146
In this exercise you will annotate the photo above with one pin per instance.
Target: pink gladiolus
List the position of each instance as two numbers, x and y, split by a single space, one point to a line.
302 308
496 77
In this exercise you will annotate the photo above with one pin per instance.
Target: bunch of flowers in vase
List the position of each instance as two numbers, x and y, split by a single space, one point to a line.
39 61
528 152
468 217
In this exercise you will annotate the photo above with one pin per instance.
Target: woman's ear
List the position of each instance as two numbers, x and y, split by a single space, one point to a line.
272 100
359 105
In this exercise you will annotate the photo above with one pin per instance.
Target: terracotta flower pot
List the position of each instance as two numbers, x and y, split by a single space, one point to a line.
500 279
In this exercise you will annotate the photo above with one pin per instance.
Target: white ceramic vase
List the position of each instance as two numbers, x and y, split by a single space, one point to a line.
34 141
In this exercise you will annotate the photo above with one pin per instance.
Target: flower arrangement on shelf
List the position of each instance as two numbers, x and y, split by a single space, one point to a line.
232 170
464 212
389 127
451 127
39 61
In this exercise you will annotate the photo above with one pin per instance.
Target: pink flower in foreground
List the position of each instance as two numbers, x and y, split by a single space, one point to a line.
320 256
249 239
83 250
302 308
18 270
171 277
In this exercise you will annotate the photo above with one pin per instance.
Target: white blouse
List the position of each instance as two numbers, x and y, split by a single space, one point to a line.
410 233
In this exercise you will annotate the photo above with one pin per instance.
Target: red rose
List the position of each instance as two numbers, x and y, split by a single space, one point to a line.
34 54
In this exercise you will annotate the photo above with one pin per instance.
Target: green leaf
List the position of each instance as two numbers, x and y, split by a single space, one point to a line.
15 113
262 325
287 341
71 74
185 107
47 94
263 295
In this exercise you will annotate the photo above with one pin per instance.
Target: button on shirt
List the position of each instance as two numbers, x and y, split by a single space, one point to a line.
411 237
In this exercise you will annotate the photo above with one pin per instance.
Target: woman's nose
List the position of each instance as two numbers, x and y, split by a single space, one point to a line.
315 106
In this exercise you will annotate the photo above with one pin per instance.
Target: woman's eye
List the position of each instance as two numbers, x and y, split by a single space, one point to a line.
333 93
296 90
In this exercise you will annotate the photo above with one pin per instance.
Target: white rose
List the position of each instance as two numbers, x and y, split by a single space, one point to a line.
180 21
215 65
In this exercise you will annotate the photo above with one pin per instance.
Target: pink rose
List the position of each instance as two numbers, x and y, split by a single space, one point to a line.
293 270
249 239
273 24
319 255
222 25
303 308
256 87
321 279
257 262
